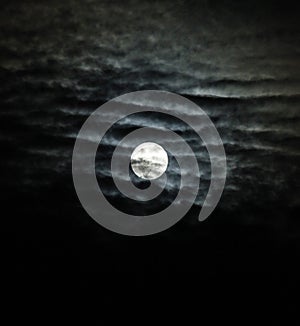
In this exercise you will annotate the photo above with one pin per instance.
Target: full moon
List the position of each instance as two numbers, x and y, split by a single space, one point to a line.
149 161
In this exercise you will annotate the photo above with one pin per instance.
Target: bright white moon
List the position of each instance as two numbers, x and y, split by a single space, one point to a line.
149 161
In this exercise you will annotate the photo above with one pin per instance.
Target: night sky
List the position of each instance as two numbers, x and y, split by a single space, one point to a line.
239 61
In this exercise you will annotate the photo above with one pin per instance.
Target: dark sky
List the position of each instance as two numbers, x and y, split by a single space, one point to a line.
239 61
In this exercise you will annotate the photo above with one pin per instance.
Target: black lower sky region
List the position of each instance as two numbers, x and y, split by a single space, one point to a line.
237 60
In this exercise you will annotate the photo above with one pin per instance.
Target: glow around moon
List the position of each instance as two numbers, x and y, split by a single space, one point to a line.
149 161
